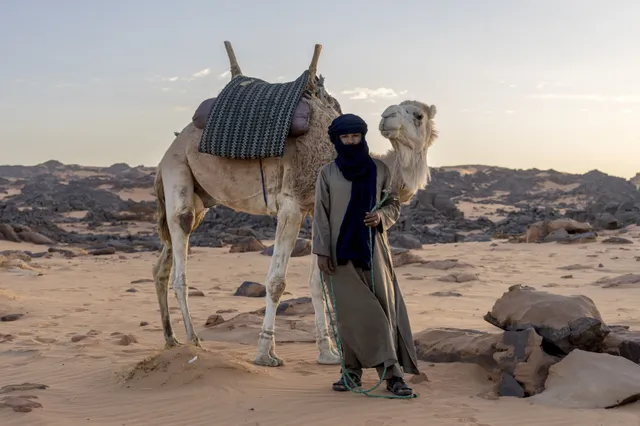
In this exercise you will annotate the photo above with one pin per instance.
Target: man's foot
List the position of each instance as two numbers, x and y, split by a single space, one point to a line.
398 387
341 386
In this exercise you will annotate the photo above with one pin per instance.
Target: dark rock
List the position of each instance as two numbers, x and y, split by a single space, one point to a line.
301 248
10 317
564 322
616 240
623 342
102 251
247 244
213 320
251 289
297 306
445 294
509 386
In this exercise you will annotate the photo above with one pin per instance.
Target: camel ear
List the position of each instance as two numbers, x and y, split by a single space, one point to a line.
432 112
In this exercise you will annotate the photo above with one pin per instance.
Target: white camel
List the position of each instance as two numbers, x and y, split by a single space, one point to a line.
188 183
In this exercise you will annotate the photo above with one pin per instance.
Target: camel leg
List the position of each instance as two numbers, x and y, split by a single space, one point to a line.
290 217
328 354
161 271
183 212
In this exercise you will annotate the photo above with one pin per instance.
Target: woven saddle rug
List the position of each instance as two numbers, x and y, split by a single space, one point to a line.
251 118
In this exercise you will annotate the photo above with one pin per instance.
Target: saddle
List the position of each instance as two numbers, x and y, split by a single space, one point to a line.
299 124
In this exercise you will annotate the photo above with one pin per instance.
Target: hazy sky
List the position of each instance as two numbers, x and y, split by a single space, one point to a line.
546 84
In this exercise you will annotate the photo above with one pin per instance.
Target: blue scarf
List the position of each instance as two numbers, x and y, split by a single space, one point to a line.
358 167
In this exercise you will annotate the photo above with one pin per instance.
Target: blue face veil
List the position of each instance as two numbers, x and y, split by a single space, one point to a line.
358 167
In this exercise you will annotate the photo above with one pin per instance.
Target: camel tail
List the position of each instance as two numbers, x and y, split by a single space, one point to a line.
163 227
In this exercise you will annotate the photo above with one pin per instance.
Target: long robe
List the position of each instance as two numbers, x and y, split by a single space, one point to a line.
374 329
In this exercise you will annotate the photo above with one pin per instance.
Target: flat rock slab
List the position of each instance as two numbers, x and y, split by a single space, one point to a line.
590 380
457 345
566 322
621 281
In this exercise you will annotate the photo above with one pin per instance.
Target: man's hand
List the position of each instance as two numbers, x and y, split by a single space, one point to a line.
372 219
325 264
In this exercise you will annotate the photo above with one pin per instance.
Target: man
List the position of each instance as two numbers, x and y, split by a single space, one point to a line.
374 328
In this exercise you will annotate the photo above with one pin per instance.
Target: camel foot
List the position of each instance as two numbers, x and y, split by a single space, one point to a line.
172 342
328 358
196 341
269 360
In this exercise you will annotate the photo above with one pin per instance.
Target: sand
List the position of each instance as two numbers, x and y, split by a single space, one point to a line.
119 373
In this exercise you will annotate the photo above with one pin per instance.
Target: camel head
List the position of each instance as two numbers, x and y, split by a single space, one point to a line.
410 127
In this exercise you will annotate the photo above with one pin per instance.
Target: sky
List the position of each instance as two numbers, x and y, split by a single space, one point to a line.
547 84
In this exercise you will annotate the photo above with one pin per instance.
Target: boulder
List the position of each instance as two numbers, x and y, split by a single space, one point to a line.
247 244
590 380
565 322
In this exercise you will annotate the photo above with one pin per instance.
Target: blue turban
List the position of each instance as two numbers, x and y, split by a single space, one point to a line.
358 167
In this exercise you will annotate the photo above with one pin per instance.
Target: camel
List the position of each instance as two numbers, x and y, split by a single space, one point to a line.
188 183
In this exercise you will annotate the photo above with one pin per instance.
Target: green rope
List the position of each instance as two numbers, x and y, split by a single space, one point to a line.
347 379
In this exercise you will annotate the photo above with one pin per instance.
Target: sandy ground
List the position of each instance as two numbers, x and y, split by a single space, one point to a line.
86 378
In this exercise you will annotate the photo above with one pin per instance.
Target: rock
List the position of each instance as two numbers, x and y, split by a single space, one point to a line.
445 265
509 386
457 345
590 380
213 320
297 306
131 290
445 294
247 244
458 277
143 323
520 354
624 281
556 235
102 251
607 221
587 237
616 240
34 238
251 289
623 342
301 248
570 225
7 233
575 267
10 317
68 251
405 258
194 292
407 241
78 337
566 322
555 230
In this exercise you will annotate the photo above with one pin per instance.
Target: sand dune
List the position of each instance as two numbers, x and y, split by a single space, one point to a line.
94 338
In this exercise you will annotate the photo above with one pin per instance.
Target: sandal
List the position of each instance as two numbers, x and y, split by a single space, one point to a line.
341 386
398 387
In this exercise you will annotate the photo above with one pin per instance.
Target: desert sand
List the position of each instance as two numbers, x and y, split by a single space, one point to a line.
84 335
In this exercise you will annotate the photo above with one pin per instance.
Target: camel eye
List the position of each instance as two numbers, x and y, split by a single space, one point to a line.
418 116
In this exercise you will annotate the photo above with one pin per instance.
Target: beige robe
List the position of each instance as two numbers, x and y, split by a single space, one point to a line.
375 329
